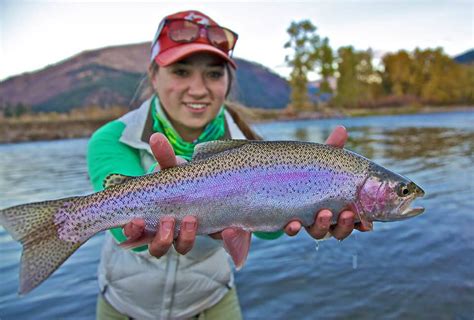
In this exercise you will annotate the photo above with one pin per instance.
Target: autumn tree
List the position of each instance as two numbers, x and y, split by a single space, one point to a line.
429 75
445 79
466 81
397 75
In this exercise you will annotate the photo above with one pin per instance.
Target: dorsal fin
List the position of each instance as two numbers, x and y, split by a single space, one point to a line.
115 179
207 149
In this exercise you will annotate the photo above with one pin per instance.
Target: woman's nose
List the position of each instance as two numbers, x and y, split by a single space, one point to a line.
198 87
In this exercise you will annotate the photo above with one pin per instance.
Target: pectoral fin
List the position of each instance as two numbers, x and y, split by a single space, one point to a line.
366 224
237 245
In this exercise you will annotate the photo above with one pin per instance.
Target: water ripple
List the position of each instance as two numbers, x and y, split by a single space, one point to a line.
420 269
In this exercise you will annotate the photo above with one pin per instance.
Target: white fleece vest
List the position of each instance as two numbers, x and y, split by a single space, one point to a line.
174 286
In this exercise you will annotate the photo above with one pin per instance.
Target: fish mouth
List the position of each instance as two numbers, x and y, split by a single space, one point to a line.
412 211
405 211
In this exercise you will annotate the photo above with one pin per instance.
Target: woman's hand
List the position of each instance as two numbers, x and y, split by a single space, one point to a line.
322 223
164 237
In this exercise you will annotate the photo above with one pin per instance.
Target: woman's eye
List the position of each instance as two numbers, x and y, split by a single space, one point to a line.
181 72
216 74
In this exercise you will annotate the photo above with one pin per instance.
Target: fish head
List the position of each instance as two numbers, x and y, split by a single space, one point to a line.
387 196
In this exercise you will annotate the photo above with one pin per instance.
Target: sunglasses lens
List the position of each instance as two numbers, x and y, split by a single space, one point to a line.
183 31
222 38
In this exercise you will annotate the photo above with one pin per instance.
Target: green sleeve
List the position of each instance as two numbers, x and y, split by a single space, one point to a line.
268 235
107 155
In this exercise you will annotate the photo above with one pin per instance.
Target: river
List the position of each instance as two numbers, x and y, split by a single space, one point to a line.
421 268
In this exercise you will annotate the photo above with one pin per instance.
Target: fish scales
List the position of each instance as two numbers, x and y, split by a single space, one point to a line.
247 186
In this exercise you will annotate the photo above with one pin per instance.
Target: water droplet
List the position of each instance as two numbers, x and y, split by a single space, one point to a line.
317 244
354 261
355 254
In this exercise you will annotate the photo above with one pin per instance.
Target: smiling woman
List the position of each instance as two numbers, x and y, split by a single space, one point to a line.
192 92
191 75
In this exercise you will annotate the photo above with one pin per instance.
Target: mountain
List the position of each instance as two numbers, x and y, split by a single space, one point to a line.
466 57
111 76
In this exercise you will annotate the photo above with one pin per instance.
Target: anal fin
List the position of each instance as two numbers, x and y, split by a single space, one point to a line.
237 245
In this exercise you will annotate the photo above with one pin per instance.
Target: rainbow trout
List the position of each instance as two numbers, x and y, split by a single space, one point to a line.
245 185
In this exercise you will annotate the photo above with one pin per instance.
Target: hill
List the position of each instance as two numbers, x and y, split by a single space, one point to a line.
111 76
466 57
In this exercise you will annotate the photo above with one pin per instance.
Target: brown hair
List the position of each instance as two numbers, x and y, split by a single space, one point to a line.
240 122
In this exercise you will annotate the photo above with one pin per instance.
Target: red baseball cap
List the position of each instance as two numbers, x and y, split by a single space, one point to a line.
165 51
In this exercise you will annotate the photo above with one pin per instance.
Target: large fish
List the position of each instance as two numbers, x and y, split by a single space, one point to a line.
247 185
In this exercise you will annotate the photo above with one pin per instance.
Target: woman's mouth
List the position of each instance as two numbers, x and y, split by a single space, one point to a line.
196 107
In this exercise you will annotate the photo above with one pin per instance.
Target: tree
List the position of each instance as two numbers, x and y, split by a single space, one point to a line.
444 83
8 110
347 83
467 83
398 70
16 110
21 109
429 75
326 62
305 44
357 80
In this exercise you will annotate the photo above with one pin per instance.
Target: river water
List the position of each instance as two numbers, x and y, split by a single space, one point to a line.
421 268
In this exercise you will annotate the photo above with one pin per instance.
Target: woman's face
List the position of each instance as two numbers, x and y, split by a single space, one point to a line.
191 92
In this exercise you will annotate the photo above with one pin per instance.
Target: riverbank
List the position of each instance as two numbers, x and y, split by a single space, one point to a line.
406 110
30 128
12 131
263 115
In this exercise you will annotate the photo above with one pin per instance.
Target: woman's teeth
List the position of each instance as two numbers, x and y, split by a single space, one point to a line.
196 106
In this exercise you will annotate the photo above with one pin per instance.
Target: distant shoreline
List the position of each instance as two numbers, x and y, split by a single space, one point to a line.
348 113
20 130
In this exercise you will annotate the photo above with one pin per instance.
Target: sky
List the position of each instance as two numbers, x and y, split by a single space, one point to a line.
37 33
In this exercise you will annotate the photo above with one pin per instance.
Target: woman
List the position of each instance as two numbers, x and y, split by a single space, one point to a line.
191 75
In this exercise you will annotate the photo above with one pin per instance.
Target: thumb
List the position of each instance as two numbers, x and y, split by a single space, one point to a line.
162 150
338 137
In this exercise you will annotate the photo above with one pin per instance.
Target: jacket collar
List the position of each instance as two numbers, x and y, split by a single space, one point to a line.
139 127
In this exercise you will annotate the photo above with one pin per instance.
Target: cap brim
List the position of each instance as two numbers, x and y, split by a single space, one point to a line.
175 54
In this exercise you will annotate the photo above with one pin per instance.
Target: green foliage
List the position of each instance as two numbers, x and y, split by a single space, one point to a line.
397 73
407 78
16 110
305 44
358 81
327 59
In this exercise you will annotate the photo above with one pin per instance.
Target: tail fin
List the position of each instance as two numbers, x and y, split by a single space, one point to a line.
43 251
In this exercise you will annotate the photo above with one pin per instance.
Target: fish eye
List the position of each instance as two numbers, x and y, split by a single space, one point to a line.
403 190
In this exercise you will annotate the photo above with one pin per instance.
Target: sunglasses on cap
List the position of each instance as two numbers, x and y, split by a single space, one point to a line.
185 31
